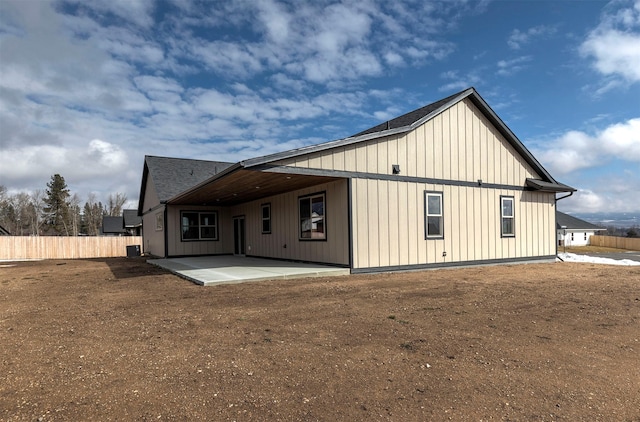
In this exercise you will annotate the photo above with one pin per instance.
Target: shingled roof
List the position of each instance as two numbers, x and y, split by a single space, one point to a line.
573 223
171 176
131 218
178 179
408 118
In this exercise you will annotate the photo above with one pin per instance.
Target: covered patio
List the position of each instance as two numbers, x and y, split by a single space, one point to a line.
227 269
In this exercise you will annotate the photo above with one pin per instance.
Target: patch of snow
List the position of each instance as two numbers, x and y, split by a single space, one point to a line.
571 257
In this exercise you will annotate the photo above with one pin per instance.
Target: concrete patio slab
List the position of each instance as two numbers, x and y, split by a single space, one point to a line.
225 269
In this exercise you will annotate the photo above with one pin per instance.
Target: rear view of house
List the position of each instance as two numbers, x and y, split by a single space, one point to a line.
446 184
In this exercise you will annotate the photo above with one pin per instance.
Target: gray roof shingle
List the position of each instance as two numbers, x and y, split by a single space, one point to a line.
573 223
113 225
131 218
408 118
174 175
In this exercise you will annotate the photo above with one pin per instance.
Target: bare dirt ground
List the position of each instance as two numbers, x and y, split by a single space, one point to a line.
118 339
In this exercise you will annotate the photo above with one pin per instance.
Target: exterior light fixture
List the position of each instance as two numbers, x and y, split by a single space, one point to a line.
395 168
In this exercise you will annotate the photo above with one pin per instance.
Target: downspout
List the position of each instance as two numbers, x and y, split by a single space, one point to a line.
166 230
350 220
556 206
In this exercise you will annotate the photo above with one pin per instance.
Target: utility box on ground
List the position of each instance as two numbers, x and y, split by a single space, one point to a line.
133 251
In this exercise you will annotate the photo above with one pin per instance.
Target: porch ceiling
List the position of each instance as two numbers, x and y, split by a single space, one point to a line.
245 185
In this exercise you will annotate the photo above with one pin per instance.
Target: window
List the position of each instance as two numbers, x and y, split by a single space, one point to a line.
312 217
266 218
507 216
199 225
159 221
434 217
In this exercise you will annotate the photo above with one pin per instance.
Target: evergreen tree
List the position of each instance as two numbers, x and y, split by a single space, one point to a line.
57 206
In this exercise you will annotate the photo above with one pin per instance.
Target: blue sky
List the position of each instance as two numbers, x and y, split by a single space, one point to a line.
87 88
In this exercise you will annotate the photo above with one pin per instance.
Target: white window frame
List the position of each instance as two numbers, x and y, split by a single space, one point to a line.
505 217
429 215
304 220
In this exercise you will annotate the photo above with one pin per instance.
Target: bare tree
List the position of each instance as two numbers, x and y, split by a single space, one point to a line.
38 204
74 215
7 213
23 210
92 218
116 202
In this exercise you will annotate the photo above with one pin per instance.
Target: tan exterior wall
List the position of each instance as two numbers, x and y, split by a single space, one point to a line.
285 226
177 247
458 144
152 229
389 225
153 232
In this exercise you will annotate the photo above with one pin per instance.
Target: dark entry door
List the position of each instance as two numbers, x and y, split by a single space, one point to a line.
238 236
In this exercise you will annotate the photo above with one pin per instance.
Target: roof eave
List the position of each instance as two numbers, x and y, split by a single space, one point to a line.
143 186
354 139
542 186
213 178
321 147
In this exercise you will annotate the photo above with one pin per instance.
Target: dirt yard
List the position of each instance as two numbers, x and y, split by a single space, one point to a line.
119 339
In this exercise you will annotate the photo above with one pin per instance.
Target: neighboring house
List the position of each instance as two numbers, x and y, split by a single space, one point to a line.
446 184
128 224
112 226
132 222
574 232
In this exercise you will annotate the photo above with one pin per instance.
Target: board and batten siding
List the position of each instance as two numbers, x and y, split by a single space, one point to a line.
389 225
177 247
285 226
457 144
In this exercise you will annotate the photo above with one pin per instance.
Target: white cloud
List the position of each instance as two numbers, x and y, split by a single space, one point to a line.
137 12
615 43
518 38
88 87
457 82
613 193
577 150
509 67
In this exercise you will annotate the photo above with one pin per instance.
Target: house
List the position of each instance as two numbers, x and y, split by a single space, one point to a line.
132 222
446 184
573 231
128 224
112 226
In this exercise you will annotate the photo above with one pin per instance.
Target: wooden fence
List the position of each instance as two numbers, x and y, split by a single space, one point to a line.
629 243
63 247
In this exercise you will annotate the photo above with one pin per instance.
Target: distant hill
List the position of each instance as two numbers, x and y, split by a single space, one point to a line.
615 219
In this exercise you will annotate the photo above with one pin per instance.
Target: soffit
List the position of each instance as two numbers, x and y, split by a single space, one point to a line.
245 185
